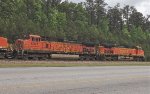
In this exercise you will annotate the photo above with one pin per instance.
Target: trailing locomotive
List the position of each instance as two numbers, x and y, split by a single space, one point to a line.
37 48
120 53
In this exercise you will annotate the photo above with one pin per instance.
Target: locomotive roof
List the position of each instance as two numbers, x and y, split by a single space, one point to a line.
35 36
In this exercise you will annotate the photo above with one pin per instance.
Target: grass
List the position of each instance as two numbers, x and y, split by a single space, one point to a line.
73 64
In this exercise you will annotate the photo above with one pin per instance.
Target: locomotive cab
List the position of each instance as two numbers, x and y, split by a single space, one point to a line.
140 55
3 47
32 47
30 42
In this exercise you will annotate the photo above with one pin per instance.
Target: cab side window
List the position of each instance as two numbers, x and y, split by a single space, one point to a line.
37 39
33 39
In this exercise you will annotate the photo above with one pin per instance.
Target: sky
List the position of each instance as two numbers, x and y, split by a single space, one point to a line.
142 6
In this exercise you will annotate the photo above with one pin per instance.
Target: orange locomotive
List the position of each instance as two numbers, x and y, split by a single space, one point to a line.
32 47
120 53
3 47
35 48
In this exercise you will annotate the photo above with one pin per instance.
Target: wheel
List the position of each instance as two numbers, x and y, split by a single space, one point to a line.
87 58
45 58
103 58
25 58
81 58
115 58
49 56
142 59
136 59
93 58
39 58
35 58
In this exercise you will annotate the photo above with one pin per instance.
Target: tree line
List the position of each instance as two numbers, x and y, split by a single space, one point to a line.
89 21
